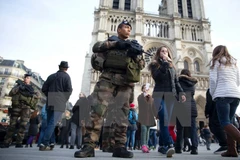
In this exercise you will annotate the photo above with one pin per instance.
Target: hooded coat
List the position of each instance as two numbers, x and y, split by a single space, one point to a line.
188 85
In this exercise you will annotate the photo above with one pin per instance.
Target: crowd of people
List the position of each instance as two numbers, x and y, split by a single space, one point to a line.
109 118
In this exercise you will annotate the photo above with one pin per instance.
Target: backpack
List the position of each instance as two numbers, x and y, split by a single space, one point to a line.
132 118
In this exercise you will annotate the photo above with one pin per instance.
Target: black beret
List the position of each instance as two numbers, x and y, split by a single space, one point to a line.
124 22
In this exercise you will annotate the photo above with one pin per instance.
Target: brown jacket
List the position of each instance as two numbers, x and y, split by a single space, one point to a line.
147 110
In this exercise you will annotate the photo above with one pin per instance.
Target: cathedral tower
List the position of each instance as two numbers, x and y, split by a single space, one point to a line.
180 25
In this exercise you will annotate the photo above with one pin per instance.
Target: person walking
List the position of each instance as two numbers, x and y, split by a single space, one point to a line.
33 128
65 128
81 112
24 98
188 83
120 70
57 88
132 127
214 124
207 136
43 128
147 113
167 91
224 89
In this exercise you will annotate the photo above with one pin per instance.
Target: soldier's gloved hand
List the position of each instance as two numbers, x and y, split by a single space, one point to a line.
122 45
22 87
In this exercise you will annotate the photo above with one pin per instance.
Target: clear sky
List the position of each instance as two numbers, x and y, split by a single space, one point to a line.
45 32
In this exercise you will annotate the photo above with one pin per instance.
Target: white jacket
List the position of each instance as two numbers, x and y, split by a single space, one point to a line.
224 80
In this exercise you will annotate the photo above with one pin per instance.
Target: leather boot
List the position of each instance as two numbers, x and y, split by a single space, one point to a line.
233 135
86 151
122 152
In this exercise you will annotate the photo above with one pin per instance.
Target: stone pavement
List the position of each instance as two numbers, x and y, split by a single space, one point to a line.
13 153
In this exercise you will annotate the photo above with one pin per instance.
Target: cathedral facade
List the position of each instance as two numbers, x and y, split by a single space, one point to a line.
180 25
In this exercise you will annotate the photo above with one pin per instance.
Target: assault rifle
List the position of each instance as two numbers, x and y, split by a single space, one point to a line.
26 90
134 47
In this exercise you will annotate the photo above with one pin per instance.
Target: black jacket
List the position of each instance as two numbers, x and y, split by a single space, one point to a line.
210 105
33 128
57 88
188 86
165 79
81 111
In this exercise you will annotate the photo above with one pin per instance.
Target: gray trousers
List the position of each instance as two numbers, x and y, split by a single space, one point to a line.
76 131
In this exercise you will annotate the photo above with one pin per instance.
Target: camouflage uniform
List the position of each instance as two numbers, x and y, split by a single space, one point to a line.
112 92
108 140
21 110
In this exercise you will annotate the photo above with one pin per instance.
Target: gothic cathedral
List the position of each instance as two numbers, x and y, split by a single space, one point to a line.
180 25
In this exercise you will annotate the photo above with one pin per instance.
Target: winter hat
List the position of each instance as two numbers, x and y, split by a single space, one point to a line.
132 105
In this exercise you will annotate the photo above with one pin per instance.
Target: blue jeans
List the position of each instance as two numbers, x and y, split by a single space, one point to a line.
165 111
132 135
144 134
76 131
226 108
152 138
52 119
41 135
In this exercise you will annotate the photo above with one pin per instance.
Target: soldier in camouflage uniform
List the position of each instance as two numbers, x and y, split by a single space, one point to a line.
24 98
114 89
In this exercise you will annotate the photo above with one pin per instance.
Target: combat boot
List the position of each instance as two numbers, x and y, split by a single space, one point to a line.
5 145
122 153
86 151
18 145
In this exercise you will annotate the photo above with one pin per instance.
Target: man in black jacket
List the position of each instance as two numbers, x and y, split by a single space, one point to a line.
214 124
57 88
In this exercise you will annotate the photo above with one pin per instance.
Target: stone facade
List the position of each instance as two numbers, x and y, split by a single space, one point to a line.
180 25
10 71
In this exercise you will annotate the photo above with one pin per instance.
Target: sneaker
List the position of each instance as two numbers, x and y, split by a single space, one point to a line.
71 147
152 148
221 150
170 151
86 151
44 148
162 149
122 153
51 145
145 149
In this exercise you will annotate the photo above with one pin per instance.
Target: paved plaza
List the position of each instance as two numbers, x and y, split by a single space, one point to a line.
33 153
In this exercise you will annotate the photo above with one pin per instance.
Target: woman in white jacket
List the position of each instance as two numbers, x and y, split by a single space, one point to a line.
224 89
